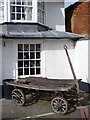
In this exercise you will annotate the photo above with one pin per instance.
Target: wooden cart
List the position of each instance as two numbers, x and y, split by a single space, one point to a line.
61 91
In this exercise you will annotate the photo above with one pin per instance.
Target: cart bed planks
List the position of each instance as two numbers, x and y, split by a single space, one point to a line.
44 84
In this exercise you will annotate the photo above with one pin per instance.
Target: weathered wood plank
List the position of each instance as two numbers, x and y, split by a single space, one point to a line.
38 87
39 83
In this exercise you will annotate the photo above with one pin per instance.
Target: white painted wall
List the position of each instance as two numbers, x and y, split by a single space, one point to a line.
10 57
89 61
54 61
8 60
81 60
55 16
0 61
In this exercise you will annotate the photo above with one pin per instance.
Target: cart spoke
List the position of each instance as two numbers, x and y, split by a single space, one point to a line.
54 103
14 95
64 107
64 103
22 100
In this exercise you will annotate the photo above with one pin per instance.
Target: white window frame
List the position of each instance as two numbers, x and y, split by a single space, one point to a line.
36 75
41 19
2 12
31 6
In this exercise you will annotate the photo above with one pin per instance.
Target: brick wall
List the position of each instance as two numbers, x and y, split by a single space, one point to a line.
78 18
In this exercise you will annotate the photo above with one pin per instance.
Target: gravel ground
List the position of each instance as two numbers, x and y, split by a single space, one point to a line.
39 109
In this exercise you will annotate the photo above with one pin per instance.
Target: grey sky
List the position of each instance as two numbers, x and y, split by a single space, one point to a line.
68 2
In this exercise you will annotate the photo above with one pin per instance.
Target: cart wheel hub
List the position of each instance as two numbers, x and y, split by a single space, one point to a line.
17 97
58 106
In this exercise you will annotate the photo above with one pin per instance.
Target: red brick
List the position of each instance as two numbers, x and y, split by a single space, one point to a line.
79 13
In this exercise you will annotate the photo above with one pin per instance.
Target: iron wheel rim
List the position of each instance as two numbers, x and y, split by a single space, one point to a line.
59 105
18 97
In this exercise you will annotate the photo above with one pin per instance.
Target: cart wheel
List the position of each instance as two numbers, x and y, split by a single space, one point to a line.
18 97
59 105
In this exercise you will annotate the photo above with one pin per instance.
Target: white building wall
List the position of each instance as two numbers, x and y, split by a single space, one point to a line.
57 65
8 60
54 61
89 61
81 60
55 16
0 61
10 57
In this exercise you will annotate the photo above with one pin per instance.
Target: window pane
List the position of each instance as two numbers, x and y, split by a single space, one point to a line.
37 55
26 63
18 9
20 63
18 16
13 2
29 3
32 55
32 47
43 7
32 63
23 16
37 71
20 47
12 8
32 71
29 13
13 16
18 3
23 9
37 47
38 63
24 3
26 71
20 71
26 47
39 4
20 55
26 55
1 2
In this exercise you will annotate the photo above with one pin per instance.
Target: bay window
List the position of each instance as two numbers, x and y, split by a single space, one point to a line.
22 11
